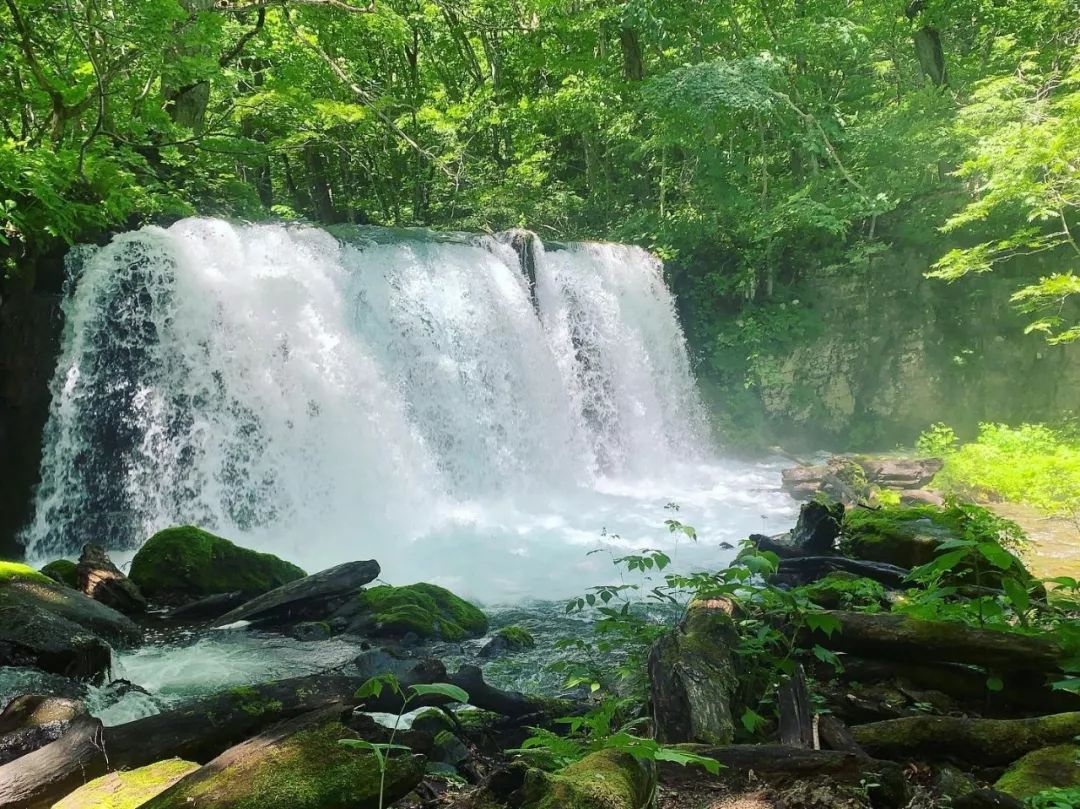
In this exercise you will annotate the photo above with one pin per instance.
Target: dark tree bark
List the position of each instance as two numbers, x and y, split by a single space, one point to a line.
898 637
978 741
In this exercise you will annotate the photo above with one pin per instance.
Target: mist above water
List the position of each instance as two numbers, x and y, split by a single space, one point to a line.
413 398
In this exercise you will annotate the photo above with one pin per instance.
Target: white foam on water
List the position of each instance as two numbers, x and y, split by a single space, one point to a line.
412 400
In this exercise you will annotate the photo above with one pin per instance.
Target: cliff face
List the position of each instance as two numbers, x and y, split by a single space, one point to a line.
30 328
892 352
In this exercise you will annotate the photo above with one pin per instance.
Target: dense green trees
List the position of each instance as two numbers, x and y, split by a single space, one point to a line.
754 143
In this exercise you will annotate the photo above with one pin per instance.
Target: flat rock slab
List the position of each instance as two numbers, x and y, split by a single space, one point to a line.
305 593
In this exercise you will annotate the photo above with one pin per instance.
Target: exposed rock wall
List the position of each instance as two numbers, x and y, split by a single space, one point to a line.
30 329
896 351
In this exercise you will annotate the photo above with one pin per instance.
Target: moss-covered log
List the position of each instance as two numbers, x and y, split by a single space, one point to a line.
296 765
129 789
899 637
980 741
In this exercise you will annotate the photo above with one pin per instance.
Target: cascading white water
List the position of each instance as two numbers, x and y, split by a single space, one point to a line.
407 397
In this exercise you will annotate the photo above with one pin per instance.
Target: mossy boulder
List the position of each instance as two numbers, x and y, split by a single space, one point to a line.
62 571
608 779
294 769
185 563
424 609
692 671
903 536
1055 767
17 571
128 789
508 639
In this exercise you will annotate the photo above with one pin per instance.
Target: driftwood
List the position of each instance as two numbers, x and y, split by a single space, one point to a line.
835 735
204 729
296 596
899 637
40 778
979 741
807 569
796 720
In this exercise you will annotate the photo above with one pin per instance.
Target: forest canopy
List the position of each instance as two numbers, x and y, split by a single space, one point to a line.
735 138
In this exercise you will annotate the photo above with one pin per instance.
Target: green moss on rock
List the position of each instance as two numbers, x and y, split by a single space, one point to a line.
62 571
129 789
307 770
187 562
904 536
16 571
846 590
608 779
425 609
516 637
1049 768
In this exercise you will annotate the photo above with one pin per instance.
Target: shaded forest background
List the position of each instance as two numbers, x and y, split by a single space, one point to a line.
793 162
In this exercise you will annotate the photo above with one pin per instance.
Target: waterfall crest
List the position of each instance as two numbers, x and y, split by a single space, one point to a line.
322 395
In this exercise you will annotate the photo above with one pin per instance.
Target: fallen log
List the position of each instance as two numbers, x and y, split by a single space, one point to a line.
203 729
835 735
797 571
978 741
39 778
780 765
297 764
899 637
1022 692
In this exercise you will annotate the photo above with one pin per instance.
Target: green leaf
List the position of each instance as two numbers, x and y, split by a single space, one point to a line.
822 622
994 683
996 555
682 757
751 720
441 689
1017 594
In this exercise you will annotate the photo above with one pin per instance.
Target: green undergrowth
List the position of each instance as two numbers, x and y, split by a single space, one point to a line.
1033 464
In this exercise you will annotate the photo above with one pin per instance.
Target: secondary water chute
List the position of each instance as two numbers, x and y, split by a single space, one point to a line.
329 396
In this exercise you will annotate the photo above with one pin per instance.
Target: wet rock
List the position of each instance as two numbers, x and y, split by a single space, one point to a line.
182 564
31 721
429 611
63 571
209 607
1049 768
814 534
307 598
693 676
507 640
905 537
921 497
103 581
987 799
449 749
901 473
51 627
311 631
609 779
128 789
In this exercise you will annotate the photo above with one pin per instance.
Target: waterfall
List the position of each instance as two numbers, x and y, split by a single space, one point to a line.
336 396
